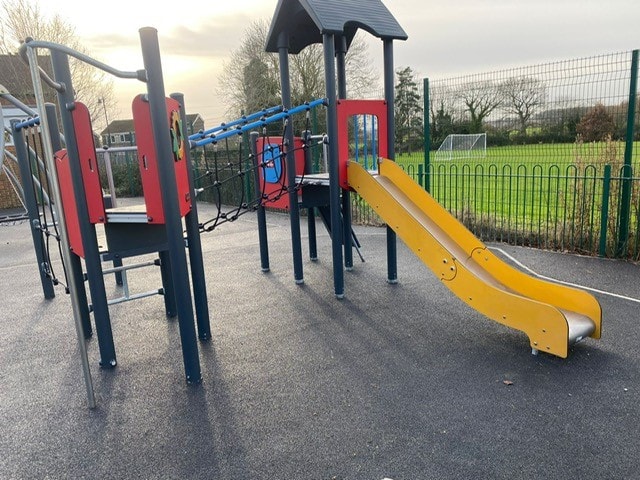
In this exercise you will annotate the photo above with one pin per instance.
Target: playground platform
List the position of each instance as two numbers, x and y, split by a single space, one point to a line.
395 381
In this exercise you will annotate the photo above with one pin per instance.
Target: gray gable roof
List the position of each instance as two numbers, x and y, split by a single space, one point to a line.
307 20
118 126
126 125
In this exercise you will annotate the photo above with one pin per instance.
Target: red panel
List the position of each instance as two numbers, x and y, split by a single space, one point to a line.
347 109
88 162
273 177
69 207
148 162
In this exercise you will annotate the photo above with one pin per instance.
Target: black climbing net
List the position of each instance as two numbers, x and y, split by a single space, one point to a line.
47 224
235 180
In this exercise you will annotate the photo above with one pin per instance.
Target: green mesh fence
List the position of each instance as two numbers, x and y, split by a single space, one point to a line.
551 173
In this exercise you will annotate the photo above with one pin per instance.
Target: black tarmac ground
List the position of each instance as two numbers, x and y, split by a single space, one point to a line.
394 381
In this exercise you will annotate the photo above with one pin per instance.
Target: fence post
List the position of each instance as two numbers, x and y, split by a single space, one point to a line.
604 212
627 170
427 135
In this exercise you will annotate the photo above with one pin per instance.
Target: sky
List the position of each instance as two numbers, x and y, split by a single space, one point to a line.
446 38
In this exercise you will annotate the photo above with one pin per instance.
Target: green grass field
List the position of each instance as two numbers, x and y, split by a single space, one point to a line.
560 155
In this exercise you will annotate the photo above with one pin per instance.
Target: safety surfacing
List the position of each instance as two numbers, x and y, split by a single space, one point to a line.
396 381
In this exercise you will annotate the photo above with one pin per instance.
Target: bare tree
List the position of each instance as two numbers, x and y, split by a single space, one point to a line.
250 79
23 18
480 99
522 96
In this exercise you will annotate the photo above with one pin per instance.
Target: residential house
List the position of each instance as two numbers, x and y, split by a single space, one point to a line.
120 133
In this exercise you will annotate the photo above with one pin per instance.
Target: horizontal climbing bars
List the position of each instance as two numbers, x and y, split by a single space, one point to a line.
240 121
259 123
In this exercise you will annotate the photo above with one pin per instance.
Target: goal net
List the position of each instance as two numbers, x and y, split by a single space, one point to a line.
460 146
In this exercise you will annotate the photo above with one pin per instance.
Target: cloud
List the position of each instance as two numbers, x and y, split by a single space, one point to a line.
213 37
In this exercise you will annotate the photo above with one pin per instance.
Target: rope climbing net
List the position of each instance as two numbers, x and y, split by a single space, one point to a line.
46 223
238 179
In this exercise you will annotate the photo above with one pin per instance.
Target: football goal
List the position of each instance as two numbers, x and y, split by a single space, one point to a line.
460 146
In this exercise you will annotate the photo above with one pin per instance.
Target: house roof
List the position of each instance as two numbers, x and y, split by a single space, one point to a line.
118 126
124 126
193 118
306 21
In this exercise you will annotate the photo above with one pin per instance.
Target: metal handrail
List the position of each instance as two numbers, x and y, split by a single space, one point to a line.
31 43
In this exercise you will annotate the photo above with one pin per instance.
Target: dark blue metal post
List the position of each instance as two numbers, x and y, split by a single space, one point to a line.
311 211
196 258
334 185
93 263
294 209
261 212
346 195
168 292
76 263
31 202
173 221
389 95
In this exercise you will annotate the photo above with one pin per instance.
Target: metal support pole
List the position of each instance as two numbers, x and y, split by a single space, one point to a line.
260 212
341 68
311 216
92 260
196 258
31 202
66 252
294 209
173 220
334 173
627 169
389 95
314 128
245 164
106 156
170 306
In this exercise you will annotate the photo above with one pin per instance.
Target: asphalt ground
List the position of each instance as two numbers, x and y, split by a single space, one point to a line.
394 381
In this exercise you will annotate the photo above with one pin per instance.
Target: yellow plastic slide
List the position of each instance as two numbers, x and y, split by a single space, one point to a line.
553 316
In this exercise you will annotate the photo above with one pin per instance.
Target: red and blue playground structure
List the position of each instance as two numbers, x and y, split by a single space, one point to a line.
168 224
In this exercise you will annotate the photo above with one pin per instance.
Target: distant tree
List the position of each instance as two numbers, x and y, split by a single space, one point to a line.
596 125
250 80
441 125
443 111
480 99
523 96
408 112
259 88
20 19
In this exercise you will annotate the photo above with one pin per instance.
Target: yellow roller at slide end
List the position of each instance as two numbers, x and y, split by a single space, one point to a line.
553 316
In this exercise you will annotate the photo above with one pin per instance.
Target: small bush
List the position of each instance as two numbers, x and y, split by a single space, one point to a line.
597 125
